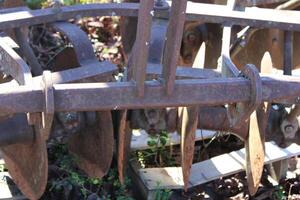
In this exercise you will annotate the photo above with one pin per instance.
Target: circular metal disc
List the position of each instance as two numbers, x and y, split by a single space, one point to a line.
93 146
28 166
255 155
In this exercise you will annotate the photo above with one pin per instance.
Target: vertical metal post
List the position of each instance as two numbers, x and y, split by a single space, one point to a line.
288 52
139 58
173 43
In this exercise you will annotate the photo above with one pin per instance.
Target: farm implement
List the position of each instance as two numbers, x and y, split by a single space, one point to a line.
235 94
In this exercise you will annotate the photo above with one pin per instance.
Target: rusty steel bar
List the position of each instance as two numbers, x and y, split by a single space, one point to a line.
173 44
257 17
231 69
11 63
109 96
34 17
154 70
80 41
212 118
215 118
228 69
16 9
138 61
27 51
247 3
288 53
86 72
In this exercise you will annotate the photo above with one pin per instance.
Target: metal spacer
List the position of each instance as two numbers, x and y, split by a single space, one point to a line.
240 112
48 114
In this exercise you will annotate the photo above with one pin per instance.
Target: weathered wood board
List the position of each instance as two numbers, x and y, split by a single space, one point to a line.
6 192
140 138
208 170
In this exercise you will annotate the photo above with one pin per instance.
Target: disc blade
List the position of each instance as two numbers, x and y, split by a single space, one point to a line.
124 139
188 129
93 146
255 155
28 166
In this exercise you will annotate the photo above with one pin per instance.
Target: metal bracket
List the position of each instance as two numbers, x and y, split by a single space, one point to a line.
240 112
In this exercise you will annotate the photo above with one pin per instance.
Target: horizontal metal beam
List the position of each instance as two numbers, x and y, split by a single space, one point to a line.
256 17
33 17
257 2
110 96
154 70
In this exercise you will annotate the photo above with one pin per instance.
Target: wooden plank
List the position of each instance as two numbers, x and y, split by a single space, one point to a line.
214 168
5 192
141 47
173 43
140 138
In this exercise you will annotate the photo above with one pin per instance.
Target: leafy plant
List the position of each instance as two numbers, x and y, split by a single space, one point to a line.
162 194
279 193
157 152
34 4
70 179
2 168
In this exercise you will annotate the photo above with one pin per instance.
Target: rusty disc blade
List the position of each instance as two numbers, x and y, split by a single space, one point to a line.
189 121
93 146
255 155
28 166
124 139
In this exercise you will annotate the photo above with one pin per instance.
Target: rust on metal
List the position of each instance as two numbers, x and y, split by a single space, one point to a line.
48 114
215 118
26 50
80 41
241 112
173 44
28 165
188 120
201 94
124 139
96 141
288 53
14 130
93 96
254 146
139 56
11 63
93 146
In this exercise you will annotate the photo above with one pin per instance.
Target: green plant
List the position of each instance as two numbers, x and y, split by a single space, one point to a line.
279 193
162 194
2 168
157 154
71 179
34 4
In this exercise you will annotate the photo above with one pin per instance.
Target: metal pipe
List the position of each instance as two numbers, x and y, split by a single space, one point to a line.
116 96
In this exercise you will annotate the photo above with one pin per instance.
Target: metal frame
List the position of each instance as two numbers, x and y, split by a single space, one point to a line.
174 86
